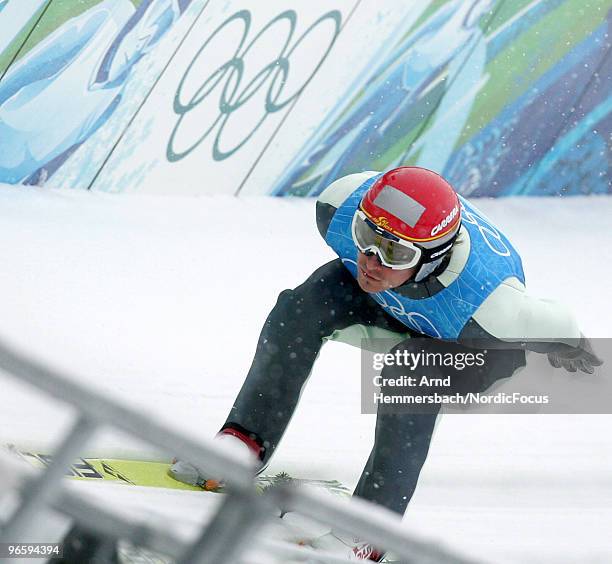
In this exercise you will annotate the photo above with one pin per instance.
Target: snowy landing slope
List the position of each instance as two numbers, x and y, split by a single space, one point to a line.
158 301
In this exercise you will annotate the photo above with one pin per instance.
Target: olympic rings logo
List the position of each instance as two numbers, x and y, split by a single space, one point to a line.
227 79
392 305
413 319
489 234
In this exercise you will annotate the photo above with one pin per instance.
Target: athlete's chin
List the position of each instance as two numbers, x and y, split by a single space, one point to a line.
369 285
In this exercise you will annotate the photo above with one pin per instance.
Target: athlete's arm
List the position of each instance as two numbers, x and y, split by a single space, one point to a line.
513 318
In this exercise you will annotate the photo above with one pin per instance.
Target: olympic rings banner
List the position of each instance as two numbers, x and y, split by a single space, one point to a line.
502 97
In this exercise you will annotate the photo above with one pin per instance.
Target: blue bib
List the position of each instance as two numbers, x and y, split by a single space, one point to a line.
492 260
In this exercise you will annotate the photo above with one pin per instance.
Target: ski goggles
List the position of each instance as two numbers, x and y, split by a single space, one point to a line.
393 252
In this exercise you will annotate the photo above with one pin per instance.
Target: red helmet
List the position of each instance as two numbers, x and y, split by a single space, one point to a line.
415 205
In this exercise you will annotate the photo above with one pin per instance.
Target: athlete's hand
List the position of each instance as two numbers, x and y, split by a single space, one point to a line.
580 358
193 475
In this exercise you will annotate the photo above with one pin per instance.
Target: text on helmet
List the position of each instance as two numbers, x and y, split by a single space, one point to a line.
446 221
382 222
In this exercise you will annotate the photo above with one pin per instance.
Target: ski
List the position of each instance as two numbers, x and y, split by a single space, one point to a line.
146 473
155 473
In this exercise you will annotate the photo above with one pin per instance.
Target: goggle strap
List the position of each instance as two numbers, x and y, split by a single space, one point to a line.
430 255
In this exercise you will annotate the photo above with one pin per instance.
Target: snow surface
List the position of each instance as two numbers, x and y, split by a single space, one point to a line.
158 302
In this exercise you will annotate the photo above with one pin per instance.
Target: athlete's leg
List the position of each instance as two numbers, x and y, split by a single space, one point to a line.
290 340
402 438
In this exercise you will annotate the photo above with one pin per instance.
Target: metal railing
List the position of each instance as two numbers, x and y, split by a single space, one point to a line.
241 514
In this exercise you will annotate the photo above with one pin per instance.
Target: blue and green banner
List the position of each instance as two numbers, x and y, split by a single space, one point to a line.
502 97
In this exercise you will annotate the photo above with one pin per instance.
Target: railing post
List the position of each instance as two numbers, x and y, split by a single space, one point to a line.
242 511
234 524
41 490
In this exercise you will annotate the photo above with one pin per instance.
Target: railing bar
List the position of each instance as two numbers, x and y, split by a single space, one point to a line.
235 472
312 556
84 511
42 490
229 531
373 524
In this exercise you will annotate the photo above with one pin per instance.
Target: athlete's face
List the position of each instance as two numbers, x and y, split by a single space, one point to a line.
373 277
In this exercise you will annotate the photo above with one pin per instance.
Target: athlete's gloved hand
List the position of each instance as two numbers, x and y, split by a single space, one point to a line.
193 475
581 358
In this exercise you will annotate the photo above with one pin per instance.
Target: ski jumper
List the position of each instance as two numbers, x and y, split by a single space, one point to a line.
330 300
